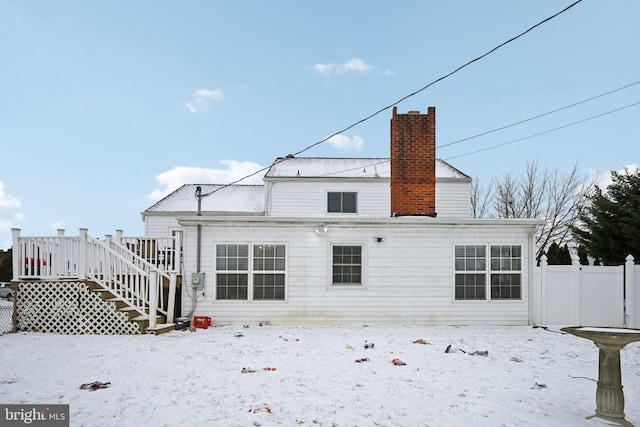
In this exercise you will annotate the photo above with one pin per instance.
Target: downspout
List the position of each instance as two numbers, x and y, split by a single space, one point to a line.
198 252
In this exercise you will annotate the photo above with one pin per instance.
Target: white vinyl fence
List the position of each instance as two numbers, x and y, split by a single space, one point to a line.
587 295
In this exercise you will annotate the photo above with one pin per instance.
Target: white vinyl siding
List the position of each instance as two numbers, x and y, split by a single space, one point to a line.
407 277
309 199
453 199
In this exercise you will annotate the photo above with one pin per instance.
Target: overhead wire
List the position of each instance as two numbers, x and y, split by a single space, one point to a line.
543 133
538 116
403 98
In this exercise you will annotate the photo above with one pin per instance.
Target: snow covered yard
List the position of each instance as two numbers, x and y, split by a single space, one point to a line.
530 377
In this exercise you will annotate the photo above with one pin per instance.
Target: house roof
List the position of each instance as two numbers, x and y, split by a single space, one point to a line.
248 199
324 167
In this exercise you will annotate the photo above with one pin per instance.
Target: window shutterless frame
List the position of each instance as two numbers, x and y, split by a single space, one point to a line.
347 265
487 272
251 272
342 202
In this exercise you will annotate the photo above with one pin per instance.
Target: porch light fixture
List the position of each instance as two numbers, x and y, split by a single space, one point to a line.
321 229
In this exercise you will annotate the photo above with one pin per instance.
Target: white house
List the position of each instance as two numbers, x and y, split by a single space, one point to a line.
338 241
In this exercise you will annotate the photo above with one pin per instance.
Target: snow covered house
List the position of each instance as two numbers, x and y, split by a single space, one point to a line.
350 240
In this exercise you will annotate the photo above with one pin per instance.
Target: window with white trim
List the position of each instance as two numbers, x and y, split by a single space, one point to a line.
477 277
342 202
346 264
232 272
506 272
262 279
268 272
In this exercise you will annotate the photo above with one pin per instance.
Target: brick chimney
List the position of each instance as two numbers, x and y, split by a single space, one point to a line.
413 163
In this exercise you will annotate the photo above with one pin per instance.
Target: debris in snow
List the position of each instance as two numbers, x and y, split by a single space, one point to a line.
398 362
368 344
349 347
538 385
238 334
252 370
479 353
421 341
260 408
451 349
96 385
364 359
516 359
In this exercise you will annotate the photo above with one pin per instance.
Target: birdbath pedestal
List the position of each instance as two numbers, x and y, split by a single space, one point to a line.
609 395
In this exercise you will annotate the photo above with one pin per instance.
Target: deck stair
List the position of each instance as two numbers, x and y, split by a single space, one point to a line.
137 276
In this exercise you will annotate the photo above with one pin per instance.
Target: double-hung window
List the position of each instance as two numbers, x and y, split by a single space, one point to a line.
483 273
232 272
268 272
471 265
506 274
342 202
346 265
261 279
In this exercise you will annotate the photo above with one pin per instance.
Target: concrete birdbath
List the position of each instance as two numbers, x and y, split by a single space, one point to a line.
609 395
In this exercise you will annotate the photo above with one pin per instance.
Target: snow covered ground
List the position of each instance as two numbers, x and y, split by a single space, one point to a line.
529 377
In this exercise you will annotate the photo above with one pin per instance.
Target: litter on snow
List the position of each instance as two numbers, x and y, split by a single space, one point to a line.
260 408
364 359
368 344
252 370
96 385
451 349
398 362
421 341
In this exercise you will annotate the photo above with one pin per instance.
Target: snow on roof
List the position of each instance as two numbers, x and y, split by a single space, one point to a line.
317 167
232 198
249 199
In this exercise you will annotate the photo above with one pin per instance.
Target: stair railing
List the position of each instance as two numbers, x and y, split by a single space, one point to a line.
114 266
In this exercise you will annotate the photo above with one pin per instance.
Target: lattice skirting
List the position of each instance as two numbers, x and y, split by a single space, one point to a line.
68 308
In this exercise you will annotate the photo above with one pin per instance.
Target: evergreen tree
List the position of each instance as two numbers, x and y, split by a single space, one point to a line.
609 227
558 255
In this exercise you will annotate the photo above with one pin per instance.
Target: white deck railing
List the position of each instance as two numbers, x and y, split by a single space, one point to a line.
135 269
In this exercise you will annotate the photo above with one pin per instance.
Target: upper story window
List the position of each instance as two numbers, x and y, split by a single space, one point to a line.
342 202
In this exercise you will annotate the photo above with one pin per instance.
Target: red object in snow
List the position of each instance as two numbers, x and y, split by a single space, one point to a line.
202 322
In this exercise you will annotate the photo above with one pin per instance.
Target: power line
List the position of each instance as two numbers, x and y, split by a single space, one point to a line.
542 133
439 79
404 97
538 116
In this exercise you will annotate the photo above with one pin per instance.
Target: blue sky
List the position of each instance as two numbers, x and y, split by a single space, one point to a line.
107 105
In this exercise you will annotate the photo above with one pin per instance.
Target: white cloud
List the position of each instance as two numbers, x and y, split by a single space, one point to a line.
353 65
356 65
604 178
9 219
7 200
346 143
202 97
174 178
214 95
